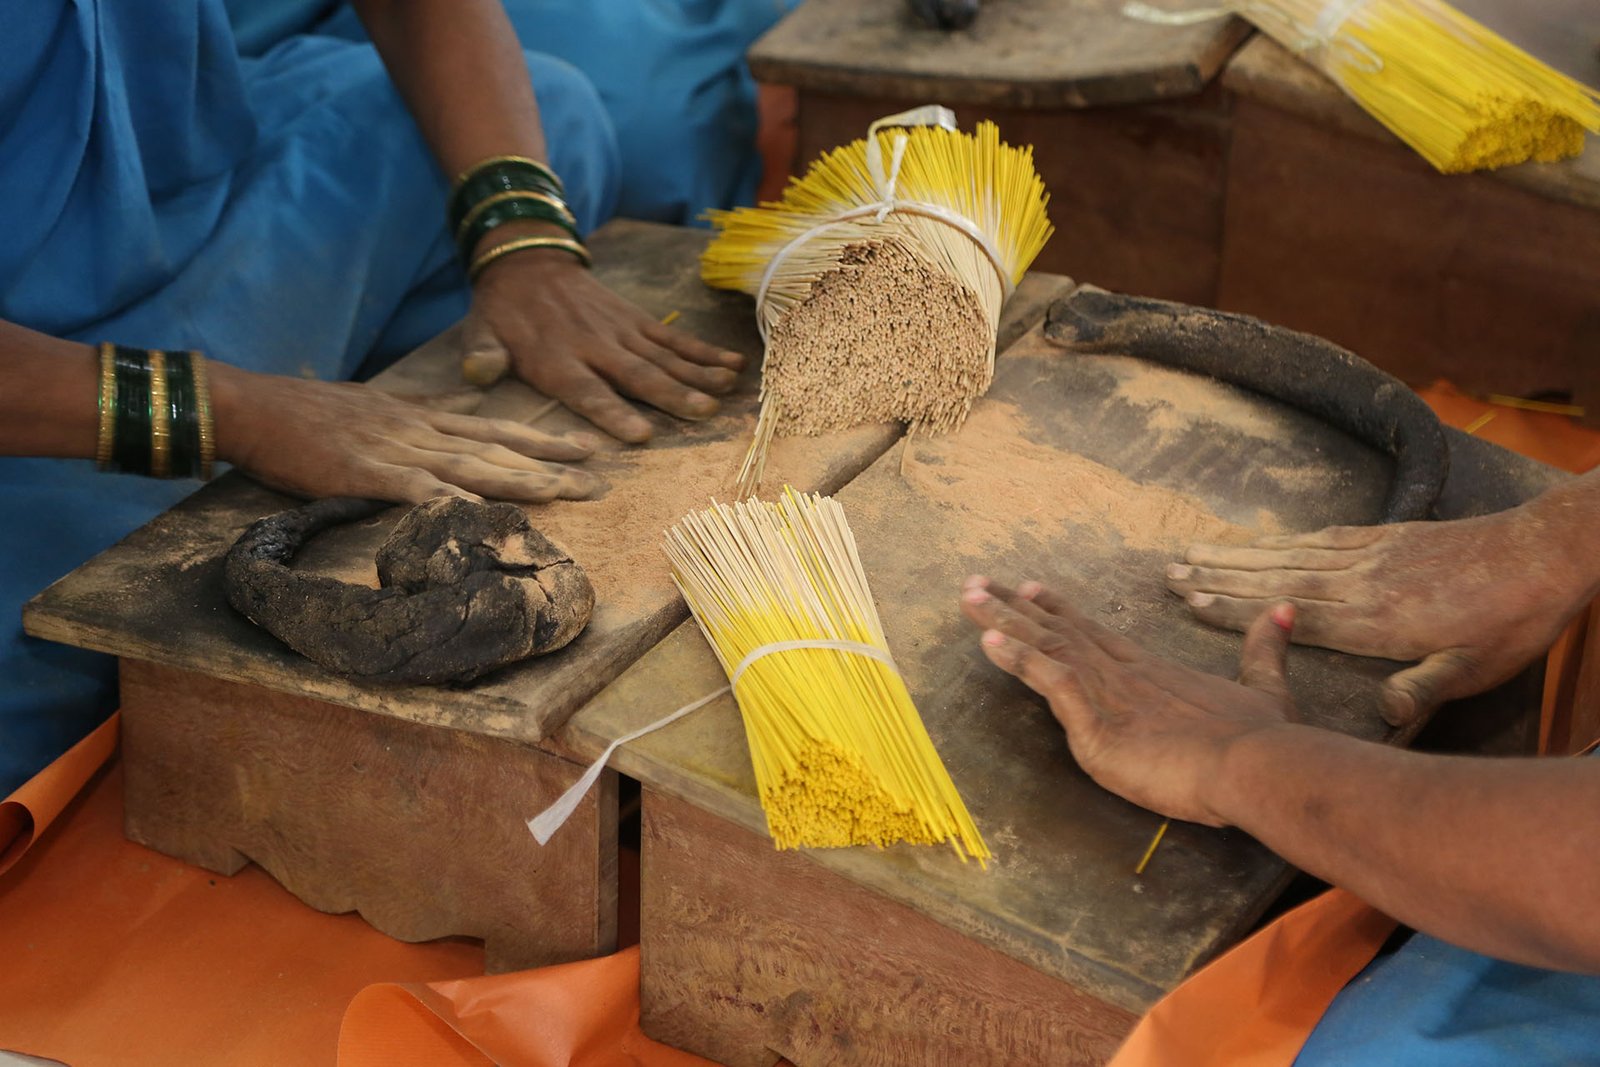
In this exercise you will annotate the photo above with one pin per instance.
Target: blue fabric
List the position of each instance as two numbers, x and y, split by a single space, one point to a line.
1431 1003
281 212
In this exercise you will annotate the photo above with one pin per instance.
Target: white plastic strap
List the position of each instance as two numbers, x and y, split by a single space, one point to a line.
1135 9
545 824
1319 36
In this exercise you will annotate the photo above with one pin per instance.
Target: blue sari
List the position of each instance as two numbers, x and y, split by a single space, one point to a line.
264 197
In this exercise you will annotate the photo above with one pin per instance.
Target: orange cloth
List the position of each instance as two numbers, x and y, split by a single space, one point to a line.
111 954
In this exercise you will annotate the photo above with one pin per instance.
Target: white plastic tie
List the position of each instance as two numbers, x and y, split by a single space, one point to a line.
545 824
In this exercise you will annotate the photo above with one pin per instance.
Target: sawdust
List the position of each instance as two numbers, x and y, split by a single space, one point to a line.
885 336
1176 402
1002 483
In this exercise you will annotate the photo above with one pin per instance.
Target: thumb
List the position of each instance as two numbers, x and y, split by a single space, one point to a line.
1415 691
1263 660
484 358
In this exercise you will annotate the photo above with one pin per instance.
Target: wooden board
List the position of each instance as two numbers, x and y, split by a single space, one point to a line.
719 903
1334 227
1019 53
416 828
157 595
1090 474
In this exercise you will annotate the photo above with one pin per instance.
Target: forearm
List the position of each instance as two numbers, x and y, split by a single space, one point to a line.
1562 521
1499 856
460 69
49 392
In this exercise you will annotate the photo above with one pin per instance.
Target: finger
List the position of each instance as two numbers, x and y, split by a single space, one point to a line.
692 348
586 393
1337 537
436 449
645 381
479 476
1263 661
992 613
410 485
456 401
1048 677
1411 694
1315 620
707 379
1062 613
1267 559
484 357
516 437
1183 579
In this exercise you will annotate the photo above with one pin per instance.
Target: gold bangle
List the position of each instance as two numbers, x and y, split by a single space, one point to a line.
522 244
514 194
106 433
483 164
202 405
160 418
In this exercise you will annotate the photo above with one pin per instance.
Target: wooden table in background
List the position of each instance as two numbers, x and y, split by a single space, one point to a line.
407 804
1263 190
1089 473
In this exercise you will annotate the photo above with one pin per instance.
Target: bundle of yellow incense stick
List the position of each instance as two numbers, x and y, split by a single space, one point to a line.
1460 94
841 755
880 275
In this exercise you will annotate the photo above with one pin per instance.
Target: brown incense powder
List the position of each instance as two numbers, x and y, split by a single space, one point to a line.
884 336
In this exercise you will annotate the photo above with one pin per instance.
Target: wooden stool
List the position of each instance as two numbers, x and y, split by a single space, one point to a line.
407 803
1090 474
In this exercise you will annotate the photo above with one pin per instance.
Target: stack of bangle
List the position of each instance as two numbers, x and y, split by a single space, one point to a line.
504 189
155 413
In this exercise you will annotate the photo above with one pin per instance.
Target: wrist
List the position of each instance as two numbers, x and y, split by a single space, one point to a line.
542 262
1248 770
229 411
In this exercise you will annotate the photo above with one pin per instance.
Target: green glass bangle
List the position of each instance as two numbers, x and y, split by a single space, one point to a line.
185 416
131 451
508 211
502 177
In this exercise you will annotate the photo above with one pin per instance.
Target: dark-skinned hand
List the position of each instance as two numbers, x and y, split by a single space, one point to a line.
1147 729
567 335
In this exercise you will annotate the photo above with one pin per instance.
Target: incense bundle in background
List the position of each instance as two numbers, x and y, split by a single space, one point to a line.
879 277
1460 94
840 753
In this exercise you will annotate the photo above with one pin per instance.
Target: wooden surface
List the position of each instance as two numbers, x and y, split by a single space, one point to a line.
157 595
1090 474
417 828
1335 228
750 953
1017 54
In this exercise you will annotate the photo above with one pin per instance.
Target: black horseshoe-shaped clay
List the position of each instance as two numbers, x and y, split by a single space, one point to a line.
1298 369
466 588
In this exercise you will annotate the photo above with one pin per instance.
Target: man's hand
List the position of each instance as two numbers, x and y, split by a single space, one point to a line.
1475 600
1149 730
318 439
571 338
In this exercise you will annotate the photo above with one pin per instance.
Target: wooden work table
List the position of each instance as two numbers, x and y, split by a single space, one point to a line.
1090 474
406 803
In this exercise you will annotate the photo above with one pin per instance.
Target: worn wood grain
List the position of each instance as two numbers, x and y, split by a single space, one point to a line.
1476 278
1060 896
749 954
157 595
1020 53
418 829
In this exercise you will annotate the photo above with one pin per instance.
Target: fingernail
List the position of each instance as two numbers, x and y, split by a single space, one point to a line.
1201 600
975 596
975 581
585 440
701 404
994 638
1179 571
1029 589
1283 617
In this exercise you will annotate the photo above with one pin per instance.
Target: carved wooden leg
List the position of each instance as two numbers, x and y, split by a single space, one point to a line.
418 828
750 953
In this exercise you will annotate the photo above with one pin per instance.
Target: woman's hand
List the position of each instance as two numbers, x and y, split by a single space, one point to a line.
573 339
1149 730
319 439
